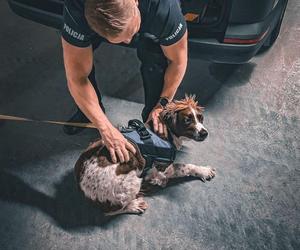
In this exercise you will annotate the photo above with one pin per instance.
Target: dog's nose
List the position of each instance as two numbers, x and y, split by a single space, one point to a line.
203 134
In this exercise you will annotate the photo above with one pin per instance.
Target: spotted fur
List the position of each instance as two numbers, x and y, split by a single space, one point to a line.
117 186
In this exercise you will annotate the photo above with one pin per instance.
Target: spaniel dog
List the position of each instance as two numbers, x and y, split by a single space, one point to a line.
116 187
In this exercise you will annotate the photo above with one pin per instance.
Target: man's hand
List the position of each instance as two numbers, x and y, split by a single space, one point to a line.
116 144
158 126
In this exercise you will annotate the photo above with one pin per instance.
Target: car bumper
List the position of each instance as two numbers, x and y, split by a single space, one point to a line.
213 50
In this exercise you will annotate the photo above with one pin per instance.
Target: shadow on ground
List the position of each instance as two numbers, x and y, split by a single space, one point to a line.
68 207
205 79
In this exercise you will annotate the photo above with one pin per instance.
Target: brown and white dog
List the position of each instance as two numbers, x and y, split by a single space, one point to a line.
117 187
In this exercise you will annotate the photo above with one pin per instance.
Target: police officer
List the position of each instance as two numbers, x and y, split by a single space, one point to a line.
158 31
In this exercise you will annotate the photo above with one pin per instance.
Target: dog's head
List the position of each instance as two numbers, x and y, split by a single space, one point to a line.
184 118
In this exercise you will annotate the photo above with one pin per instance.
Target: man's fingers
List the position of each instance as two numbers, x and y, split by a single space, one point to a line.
160 128
125 154
130 147
113 155
165 131
155 124
120 155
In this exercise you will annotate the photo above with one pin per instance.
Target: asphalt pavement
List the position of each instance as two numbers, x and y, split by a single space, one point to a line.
252 115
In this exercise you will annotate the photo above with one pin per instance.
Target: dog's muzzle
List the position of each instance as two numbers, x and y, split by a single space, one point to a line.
200 135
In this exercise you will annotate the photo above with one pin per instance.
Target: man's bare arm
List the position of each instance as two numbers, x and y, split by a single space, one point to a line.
78 65
177 57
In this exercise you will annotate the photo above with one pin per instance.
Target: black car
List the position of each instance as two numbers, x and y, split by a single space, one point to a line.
224 31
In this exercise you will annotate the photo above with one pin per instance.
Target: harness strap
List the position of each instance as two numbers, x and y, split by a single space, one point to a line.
151 151
148 165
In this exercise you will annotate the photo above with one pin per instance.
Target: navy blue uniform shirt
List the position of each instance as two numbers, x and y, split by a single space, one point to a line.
161 20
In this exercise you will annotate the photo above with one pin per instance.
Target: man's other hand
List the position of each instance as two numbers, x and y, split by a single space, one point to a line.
158 126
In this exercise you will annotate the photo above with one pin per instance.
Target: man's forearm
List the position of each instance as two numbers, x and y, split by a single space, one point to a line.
173 77
87 100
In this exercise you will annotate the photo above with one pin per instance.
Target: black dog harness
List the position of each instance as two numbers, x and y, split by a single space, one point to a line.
152 147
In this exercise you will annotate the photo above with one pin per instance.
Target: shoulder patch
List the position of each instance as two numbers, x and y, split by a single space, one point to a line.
73 33
175 33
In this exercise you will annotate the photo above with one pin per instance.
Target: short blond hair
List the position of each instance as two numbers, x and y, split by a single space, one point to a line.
109 17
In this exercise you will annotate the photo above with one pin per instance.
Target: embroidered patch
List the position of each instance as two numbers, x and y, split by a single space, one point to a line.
175 33
73 33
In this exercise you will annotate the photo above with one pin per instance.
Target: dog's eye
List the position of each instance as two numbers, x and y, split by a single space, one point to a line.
187 120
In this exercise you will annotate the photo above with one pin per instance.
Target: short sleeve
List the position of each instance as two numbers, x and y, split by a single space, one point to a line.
75 29
173 25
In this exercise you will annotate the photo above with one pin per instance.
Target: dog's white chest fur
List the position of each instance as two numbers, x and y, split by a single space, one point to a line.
102 184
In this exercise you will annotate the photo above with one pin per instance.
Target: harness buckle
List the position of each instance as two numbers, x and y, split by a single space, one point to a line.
140 128
143 133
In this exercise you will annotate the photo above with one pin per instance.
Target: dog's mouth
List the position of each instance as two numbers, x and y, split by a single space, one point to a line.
199 139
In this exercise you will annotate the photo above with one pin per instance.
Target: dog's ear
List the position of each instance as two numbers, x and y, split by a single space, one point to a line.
169 118
200 109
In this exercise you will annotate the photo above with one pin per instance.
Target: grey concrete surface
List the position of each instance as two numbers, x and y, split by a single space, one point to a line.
252 113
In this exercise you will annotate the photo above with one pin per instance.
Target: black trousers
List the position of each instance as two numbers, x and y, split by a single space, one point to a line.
153 67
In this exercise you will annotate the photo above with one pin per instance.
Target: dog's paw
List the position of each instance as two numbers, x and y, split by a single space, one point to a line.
205 173
137 206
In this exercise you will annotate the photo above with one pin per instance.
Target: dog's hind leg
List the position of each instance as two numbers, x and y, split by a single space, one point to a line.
180 170
136 206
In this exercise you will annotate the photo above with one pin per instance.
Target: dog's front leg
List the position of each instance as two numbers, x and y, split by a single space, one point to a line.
180 170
